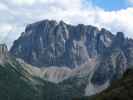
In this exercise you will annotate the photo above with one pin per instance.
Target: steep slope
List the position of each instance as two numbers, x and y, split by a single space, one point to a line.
48 43
19 81
90 80
16 83
86 79
119 90
12 79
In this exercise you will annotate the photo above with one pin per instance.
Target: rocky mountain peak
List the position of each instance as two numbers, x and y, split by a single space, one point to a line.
62 22
48 43
120 37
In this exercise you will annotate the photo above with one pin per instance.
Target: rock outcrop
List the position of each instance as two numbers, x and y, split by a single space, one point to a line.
48 43
3 52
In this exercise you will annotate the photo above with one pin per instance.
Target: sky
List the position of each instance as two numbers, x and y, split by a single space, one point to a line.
114 15
110 5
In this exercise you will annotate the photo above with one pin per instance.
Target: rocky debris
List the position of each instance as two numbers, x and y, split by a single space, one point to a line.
121 89
52 74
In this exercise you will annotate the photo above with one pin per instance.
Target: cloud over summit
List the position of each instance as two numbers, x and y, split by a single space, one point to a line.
16 14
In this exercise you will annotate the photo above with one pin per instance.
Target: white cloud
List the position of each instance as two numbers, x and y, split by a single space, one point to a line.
130 1
23 2
8 33
117 20
18 13
3 6
5 28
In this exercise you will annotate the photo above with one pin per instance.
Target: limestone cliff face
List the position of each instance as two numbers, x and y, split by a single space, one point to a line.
48 43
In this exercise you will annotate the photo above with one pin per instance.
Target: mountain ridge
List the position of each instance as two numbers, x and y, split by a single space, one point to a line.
48 43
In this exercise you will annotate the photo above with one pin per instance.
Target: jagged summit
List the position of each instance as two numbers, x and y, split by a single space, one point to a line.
49 43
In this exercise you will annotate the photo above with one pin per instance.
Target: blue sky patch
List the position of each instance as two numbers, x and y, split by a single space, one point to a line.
110 5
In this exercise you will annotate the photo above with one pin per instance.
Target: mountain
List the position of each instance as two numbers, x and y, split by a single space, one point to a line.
81 59
19 80
121 89
48 43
